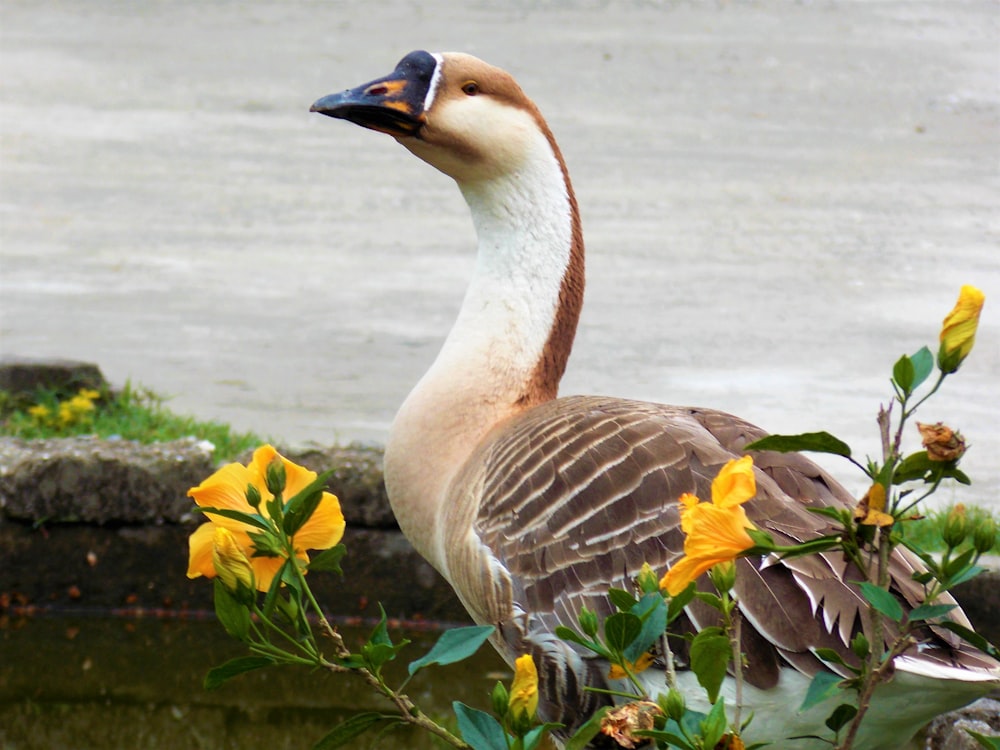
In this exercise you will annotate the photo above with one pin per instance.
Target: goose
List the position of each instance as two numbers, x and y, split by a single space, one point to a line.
532 505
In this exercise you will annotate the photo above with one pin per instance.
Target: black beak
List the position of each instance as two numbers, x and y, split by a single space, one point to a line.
393 104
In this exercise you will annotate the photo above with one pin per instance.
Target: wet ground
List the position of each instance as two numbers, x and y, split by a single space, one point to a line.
778 199
99 682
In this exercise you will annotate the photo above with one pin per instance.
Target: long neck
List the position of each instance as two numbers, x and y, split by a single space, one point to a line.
508 348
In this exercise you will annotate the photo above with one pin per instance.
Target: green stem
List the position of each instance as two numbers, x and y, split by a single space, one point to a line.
733 628
307 647
879 663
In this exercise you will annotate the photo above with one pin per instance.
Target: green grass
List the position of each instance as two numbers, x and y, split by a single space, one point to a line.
927 532
131 414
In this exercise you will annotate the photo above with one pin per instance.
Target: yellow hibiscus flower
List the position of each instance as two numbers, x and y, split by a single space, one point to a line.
524 688
716 531
958 331
226 489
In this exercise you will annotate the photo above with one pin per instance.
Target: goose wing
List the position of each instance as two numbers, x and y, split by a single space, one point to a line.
573 496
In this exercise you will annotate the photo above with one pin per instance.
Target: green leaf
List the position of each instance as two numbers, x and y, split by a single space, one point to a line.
620 630
882 601
380 633
454 645
969 573
346 731
991 742
915 466
265 544
668 738
652 611
829 655
300 508
923 366
838 515
533 737
271 599
587 731
930 611
817 442
972 637
710 655
712 600
479 729
218 675
572 636
377 654
235 515
715 724
296 517
621 599
840 717
235 617
329 559
678 603
960 563
823 686
903 374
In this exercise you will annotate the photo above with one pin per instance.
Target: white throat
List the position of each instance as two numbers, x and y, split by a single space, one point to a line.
524 223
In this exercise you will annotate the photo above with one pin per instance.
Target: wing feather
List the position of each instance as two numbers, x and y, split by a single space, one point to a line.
573 496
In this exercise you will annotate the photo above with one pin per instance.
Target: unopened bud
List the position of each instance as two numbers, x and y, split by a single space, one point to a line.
860 646
275 476
253 496
647 581
588 622
723 576
673 704
985 535
500 699
954 531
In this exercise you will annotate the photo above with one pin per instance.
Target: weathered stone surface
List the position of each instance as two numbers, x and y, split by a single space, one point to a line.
99 481
83 567
22 376
948 732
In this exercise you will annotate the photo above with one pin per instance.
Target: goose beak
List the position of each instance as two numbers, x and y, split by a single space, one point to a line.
393 104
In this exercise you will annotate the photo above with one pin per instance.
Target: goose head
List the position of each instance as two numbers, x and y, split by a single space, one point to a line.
459 114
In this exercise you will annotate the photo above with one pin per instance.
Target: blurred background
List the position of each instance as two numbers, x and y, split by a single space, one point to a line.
779 199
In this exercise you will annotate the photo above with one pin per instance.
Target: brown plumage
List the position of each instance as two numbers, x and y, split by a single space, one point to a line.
532 506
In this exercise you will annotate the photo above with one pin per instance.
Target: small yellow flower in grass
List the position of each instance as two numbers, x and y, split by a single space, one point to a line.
958 331
524 688
40 412
227 489
716 531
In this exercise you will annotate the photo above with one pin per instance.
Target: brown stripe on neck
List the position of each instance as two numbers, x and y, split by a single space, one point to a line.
543 385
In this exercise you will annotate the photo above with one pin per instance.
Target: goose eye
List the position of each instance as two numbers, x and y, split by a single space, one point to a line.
471 88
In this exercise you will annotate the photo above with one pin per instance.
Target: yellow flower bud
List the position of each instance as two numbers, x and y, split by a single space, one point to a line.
954 531
230 561
985 535
524 688
958 331
647 580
